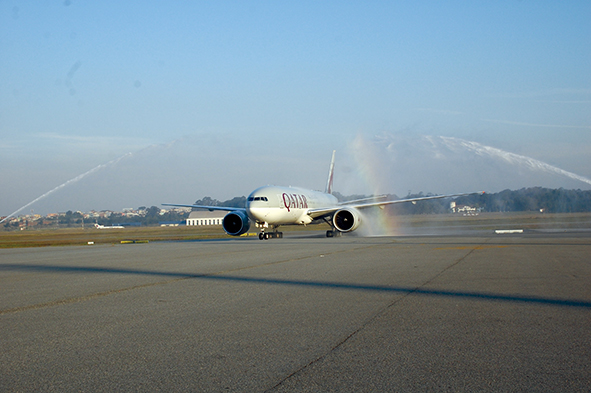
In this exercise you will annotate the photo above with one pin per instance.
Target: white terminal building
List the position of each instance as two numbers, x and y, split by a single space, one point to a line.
464 209
206 217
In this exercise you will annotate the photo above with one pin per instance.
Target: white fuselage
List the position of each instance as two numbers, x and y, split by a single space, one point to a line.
273 205
98 226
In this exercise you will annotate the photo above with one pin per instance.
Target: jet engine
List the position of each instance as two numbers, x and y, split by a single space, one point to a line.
346 220
236 223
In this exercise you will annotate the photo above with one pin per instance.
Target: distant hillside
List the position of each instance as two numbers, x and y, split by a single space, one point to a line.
526 199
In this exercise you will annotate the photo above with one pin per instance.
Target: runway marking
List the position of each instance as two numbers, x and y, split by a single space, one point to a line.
481 247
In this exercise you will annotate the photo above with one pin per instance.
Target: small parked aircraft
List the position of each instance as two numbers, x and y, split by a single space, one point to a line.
99 226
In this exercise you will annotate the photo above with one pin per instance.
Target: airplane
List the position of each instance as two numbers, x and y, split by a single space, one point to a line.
273 206
99 226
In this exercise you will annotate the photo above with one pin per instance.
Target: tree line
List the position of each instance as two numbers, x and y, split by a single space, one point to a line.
526 199
523 200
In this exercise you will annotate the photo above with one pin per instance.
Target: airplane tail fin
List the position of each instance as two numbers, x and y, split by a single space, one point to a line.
330 175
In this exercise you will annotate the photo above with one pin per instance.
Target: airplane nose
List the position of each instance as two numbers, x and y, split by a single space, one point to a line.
258 213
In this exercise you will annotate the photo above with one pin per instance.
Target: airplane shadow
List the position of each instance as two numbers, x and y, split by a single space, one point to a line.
513 298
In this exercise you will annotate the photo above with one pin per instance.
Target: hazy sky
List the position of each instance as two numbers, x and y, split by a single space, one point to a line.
217 98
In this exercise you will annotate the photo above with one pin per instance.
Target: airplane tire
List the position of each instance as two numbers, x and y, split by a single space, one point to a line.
267 236
261 236
329 233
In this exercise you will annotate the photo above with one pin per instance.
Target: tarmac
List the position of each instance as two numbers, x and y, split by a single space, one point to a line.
485 312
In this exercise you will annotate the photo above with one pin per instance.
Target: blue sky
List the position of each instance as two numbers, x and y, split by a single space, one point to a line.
258 91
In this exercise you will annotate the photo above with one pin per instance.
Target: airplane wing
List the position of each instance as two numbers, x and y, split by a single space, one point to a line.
373 198
210 208
321 212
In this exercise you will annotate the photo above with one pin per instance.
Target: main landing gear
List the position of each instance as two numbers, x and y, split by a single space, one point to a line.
334 233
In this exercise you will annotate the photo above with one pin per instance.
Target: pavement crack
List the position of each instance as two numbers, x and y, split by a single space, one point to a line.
61 302
457 262
179 277
370 320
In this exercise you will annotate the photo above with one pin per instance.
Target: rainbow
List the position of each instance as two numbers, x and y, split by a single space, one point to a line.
370 166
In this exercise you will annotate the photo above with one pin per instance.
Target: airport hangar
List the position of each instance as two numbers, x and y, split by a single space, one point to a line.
206 217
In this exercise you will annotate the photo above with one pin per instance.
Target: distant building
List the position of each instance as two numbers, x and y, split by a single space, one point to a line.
206 217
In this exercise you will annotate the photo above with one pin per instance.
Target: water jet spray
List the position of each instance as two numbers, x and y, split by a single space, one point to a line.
71 181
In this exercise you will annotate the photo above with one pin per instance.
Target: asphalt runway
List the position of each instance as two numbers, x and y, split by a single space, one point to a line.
299 314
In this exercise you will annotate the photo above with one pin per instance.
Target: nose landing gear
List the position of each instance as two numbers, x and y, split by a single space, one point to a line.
270 235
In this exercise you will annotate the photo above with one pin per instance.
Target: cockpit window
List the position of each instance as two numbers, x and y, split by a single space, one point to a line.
259 198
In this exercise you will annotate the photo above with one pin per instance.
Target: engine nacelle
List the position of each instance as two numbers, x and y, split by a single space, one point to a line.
346 220
236 223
